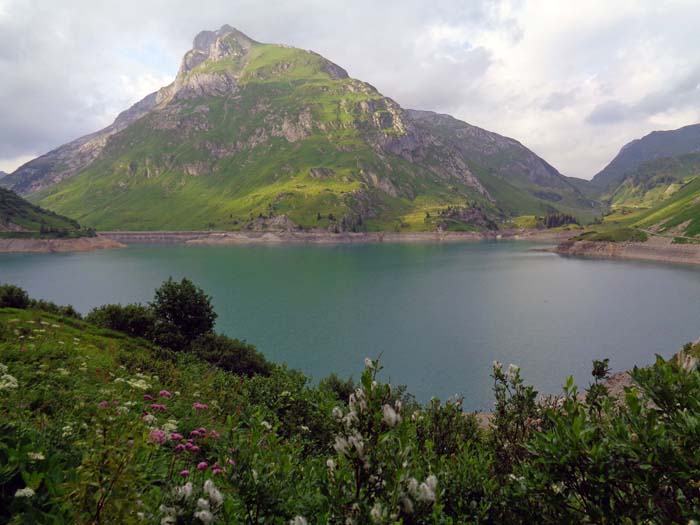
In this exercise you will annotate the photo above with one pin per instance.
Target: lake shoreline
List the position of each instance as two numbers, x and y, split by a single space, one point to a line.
224 238
655 249
80 244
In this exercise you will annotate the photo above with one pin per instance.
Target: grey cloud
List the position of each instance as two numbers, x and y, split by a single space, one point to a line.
559 100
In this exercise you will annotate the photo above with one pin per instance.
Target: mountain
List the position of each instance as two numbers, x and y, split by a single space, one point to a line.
253 135
655 145
18 215
2 174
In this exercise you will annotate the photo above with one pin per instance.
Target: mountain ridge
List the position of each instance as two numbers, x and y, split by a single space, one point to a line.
264 135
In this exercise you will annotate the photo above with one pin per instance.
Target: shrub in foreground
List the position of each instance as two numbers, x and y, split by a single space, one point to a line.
133 319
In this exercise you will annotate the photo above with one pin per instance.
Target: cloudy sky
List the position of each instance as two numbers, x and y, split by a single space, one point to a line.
573 81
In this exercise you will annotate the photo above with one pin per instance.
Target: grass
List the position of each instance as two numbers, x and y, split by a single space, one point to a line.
614 235
32 219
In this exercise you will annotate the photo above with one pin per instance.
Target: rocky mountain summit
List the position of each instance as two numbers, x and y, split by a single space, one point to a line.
253 135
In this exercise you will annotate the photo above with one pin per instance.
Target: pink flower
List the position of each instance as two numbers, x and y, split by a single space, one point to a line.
157 436
202 465
217 470
184 473
148 397
189 445
103 404
180 448
214 434
230 461
175 436
195 433
199 406
156 406
164 393
194 448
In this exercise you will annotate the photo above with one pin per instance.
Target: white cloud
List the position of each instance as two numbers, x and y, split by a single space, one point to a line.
572 81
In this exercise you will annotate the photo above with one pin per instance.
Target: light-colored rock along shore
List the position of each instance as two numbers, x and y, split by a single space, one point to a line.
323 237
82 244
655 249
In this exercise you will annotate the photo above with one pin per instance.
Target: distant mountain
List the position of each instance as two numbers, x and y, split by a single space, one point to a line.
18 215
2 174
262 136
656 145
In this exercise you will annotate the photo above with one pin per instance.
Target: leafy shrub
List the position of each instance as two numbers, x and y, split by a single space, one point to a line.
12 296
230 354
133 319
183 313
49 306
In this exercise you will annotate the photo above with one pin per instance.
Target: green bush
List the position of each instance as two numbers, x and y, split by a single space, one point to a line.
230 354
133 319
183 313
12 296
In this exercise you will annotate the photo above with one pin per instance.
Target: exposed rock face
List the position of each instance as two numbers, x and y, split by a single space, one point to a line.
249 121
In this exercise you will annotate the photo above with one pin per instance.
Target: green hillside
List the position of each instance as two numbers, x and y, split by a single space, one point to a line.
99 427
21 218
259 136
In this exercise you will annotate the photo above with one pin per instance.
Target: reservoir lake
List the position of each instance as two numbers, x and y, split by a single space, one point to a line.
436 314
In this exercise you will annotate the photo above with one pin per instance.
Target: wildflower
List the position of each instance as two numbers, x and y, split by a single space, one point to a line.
195 433
157 407
214 434
407 505
217 470
169 427
148 397
175 436
512 372
35 456
199 406
214 494
376 513
355 440
164 393
202 465
298 520
266 425
369 364
184 473
67 431
185 491
341 445
389 416
103 404
203 503
304 428
426 490
157 436
194 448
149 418
180 448
330 464
26 492
138 384
337 413
497 366
204 516
8 382
690 363
3 369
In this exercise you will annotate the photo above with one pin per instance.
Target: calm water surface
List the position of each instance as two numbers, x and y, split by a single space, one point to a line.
437 314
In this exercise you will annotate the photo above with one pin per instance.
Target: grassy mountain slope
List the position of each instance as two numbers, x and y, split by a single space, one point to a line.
260 136
656 145
18 216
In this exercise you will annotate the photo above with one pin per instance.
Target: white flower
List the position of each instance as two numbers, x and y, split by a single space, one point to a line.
369 364
214 494
204 516
413 486
203 503
139 384
389 416
337 413
341 445
407 505
376 513
304 428
690 363
35 456
185 491
330 464
512 372
497 366
3 369
26 492
169 427
298 520
426 490
355 440
266 425
67 431
8 382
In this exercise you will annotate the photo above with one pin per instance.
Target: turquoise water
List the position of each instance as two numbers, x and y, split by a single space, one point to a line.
438 315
